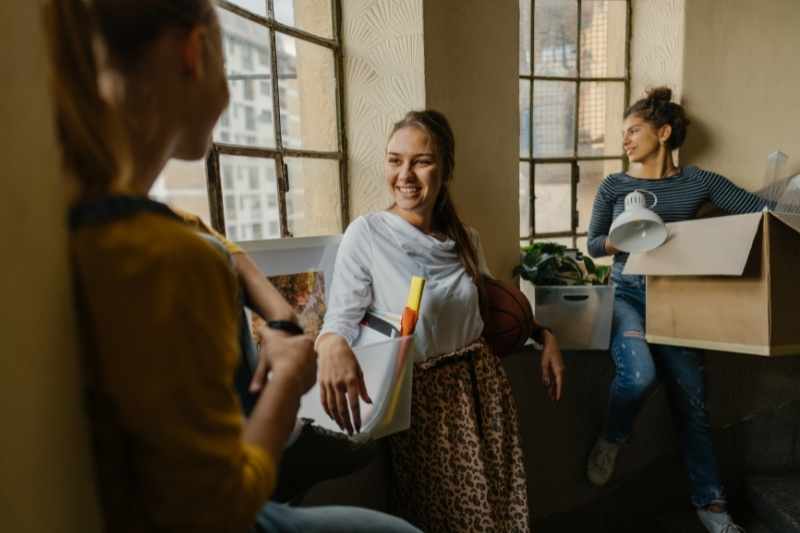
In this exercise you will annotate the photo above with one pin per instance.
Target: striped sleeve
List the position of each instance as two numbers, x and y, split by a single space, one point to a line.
602 216
730 197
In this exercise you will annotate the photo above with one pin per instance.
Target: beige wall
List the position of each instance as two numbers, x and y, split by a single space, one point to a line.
471 76
740 84
45 484
384 78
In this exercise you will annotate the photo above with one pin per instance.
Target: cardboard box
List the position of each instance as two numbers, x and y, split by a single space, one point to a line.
727 283
579 315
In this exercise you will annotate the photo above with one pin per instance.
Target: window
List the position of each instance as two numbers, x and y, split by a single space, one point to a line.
254 181
249 117
230 207
574 84
282 136
249 90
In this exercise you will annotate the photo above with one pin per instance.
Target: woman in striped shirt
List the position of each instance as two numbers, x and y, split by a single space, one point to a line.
654 127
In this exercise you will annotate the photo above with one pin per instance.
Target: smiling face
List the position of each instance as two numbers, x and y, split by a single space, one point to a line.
412 170
640 140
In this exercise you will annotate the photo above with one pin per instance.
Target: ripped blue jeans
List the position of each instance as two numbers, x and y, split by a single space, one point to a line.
639 366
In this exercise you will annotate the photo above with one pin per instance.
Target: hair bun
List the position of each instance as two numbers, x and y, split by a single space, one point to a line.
659 95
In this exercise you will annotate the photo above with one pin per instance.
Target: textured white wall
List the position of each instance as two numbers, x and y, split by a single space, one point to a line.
384 78
657 45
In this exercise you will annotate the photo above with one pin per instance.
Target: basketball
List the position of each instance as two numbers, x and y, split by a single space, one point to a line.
508 321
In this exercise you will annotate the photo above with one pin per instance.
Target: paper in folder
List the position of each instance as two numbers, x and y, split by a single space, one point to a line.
387 362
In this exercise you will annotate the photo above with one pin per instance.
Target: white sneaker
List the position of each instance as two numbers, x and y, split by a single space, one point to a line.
718 522
602 461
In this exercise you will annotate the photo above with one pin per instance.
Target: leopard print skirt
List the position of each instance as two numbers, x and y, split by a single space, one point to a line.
459 467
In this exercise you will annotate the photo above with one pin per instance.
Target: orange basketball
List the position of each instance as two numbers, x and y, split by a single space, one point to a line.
508 321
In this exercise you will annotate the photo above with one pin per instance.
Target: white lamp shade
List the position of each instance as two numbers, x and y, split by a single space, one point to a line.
637 230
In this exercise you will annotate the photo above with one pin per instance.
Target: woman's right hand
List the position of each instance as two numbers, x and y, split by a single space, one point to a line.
341 382
610 248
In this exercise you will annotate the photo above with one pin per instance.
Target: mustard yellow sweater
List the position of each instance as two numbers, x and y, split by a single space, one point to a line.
159 314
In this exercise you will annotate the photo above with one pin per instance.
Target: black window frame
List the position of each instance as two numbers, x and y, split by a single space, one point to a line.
574 160
280 152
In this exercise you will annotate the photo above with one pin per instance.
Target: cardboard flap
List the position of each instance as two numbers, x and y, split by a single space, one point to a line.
707 247
791 220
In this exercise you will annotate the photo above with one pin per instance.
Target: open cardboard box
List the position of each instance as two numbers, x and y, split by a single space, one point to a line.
727 283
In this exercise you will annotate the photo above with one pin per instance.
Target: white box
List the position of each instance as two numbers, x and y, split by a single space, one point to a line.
579 315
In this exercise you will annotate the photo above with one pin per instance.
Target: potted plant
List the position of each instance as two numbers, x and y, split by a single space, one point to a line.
550 263
569 294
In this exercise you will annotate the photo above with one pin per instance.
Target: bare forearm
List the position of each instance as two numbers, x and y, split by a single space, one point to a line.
263 296
274 417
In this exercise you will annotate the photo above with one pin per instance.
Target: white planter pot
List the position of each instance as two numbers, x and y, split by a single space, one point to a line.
579 316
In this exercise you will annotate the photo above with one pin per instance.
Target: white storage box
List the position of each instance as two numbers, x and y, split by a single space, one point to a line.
579 316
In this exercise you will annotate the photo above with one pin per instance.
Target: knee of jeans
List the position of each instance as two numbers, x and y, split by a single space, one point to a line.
641 380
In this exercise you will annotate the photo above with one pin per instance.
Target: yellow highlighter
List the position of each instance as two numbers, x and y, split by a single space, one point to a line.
411 311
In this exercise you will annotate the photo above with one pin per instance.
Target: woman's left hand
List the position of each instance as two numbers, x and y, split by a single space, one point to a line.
552 366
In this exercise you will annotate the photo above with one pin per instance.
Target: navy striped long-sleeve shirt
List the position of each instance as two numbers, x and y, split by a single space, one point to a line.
679 198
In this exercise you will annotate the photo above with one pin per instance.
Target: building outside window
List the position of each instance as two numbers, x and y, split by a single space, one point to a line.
283 127
574 84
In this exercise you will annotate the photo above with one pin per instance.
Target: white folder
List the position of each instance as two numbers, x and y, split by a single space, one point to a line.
387 364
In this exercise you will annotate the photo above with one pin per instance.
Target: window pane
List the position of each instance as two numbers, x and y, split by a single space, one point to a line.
313 203
182 184
603 28
552 191
600 125
524 118
248 119
307 95
525 36
313 16
249 211
524 199
259 7
553 118
555 37
591 174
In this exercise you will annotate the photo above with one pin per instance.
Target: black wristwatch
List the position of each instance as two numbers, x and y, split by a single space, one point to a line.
287 326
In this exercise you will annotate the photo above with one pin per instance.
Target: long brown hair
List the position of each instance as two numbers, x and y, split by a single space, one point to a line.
445 217
128 26
92 139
